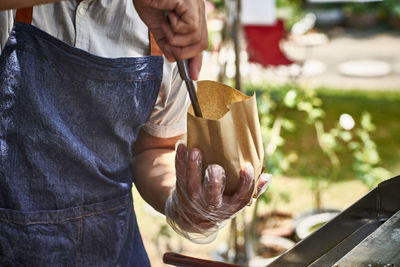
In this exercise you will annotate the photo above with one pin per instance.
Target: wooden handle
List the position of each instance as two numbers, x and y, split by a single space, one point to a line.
24 15
186 261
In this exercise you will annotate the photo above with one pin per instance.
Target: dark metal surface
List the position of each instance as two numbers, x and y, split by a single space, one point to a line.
184 73
381 248
335 239
347 244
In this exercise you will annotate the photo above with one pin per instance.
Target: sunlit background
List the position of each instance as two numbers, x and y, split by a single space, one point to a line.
327 79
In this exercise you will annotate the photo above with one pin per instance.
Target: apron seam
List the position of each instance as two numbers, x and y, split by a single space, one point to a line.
79 242
66 219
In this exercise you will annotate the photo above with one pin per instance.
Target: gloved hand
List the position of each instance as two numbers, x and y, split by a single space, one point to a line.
197 208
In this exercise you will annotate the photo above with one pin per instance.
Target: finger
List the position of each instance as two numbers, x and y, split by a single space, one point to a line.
246 186
180 163
195 66
168 55
180 39
263 182
214 186
193 174
189 51
180 26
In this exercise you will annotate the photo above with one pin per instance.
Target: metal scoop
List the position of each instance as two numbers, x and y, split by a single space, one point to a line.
184 73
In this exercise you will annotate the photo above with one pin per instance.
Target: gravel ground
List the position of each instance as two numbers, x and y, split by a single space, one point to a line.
323 60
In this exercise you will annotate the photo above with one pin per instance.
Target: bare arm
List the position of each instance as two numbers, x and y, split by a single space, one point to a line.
154 168
12 4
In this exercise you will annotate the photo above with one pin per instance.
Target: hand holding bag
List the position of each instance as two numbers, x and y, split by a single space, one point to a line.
229 133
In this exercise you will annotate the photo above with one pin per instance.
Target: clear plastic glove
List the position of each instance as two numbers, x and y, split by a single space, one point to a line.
197 208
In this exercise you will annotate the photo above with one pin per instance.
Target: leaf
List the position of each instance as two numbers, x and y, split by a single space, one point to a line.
316 113
317 102
345 136
366 122
328 141
372 157
354 145
305 106
290 99
288 125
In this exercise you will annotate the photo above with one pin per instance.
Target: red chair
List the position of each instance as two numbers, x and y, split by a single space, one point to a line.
263 44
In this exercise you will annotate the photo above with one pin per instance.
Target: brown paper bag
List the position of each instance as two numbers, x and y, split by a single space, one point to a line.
229 132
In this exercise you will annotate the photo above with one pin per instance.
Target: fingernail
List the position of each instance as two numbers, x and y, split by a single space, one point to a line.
217 172
179 145
195 73
194 155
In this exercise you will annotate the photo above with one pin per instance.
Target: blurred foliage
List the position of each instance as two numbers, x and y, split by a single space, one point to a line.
392 7
288 3
275 197
323 166
360 8
219 4
290 11
366 157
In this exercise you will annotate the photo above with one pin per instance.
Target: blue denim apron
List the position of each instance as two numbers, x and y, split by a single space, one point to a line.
68 121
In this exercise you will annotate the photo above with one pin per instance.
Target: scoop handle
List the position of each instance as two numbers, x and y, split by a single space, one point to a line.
184 73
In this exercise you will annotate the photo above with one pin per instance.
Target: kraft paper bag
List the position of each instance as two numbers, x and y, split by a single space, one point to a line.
229 133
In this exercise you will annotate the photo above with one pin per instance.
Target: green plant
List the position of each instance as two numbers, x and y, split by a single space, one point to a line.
360 8
291 11
219 4
275 107
366 157
392 7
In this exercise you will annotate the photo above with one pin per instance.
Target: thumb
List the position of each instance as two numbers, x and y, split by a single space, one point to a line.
263 182
195 66
213 186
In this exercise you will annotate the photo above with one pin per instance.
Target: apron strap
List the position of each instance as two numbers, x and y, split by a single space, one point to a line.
24 15
154 48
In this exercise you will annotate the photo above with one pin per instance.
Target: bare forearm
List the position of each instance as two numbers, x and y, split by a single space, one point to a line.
12 4
154 173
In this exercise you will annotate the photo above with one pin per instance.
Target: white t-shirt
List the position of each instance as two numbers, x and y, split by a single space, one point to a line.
112 29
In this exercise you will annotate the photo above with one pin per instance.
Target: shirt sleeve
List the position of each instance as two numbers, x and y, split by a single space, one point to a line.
6 22
168 118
